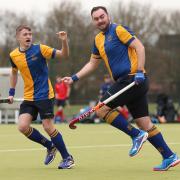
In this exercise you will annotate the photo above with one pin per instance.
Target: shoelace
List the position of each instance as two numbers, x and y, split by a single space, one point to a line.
51 152
67 160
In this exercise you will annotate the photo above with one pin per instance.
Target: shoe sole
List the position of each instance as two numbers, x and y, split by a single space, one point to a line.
142 142
70 167
171 165
52 158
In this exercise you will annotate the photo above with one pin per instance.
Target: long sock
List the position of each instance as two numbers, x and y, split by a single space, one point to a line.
34 135
157 140
117 120
60 114
57 140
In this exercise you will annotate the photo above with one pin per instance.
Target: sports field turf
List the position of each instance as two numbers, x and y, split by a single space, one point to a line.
100 153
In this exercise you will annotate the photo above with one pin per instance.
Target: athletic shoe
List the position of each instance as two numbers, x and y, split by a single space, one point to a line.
138 142
51 153
67 163
172 161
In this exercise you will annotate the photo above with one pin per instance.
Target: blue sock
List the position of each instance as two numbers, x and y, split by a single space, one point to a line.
118 121
157 140
57 140
36 136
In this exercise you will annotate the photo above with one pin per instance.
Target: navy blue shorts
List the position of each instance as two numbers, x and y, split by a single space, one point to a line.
45 108
134 98
60 102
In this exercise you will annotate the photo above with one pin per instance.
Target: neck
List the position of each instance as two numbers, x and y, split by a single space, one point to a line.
104 30
22 48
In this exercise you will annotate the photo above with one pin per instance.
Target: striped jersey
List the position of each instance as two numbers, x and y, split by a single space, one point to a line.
33 67
113 47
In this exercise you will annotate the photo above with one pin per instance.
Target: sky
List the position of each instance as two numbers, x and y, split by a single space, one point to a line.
43 6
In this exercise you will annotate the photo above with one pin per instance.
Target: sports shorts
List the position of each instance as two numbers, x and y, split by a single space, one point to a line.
60 102
134 98
45 108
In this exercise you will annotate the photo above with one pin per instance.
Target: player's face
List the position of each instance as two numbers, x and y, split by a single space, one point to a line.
100 19
24 38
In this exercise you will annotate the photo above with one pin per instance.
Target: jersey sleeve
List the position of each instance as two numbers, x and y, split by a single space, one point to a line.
47 52
95 52
12 64
125 35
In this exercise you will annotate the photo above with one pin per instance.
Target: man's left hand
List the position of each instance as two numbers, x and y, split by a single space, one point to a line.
139 77
62 35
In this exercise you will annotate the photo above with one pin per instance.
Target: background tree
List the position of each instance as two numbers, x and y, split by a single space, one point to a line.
158 30
8 29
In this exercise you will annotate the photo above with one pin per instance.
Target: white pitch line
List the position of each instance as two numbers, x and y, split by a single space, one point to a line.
77 147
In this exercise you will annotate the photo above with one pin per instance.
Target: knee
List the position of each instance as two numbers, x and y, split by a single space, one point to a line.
48 126
145 123
23 128
101 113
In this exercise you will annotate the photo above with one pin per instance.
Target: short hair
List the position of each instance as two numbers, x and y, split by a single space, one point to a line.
97 8
21 27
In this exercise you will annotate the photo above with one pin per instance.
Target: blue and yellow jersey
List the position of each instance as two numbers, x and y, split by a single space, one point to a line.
33 67
113 47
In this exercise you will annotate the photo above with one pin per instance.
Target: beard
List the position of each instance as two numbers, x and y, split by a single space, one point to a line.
103 27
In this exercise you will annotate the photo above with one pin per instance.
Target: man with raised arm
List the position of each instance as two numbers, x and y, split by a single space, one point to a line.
31 60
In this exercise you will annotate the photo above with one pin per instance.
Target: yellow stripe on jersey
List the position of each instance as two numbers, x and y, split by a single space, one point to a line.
51 91
99 41
133 60
123 34
46 51
20 60
125 37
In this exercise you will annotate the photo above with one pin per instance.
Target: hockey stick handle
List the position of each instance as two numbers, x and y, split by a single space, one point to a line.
86 114
6 100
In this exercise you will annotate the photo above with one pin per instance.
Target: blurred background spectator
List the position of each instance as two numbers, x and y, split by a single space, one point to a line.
105 85
62 93
166 111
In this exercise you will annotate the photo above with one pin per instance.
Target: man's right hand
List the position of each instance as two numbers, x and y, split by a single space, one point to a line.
67 80
62 35
11 99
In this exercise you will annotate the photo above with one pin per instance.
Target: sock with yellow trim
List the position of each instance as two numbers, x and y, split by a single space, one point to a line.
57 140
117 120
34 135
156 139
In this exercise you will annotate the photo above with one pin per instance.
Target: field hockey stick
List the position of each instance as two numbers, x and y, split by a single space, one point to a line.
6 100
86 114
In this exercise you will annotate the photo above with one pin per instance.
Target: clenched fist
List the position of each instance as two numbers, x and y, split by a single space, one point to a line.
62 35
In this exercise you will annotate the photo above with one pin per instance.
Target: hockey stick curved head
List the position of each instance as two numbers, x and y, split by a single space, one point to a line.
72 126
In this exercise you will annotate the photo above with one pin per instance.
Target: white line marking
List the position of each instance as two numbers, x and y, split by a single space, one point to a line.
77 147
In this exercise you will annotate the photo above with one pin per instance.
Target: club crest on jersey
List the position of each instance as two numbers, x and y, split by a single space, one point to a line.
109 38
33 57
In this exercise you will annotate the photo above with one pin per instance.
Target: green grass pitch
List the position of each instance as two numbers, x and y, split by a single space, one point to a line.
100 153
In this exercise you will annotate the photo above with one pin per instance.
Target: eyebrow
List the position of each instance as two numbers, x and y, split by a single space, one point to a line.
99 16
